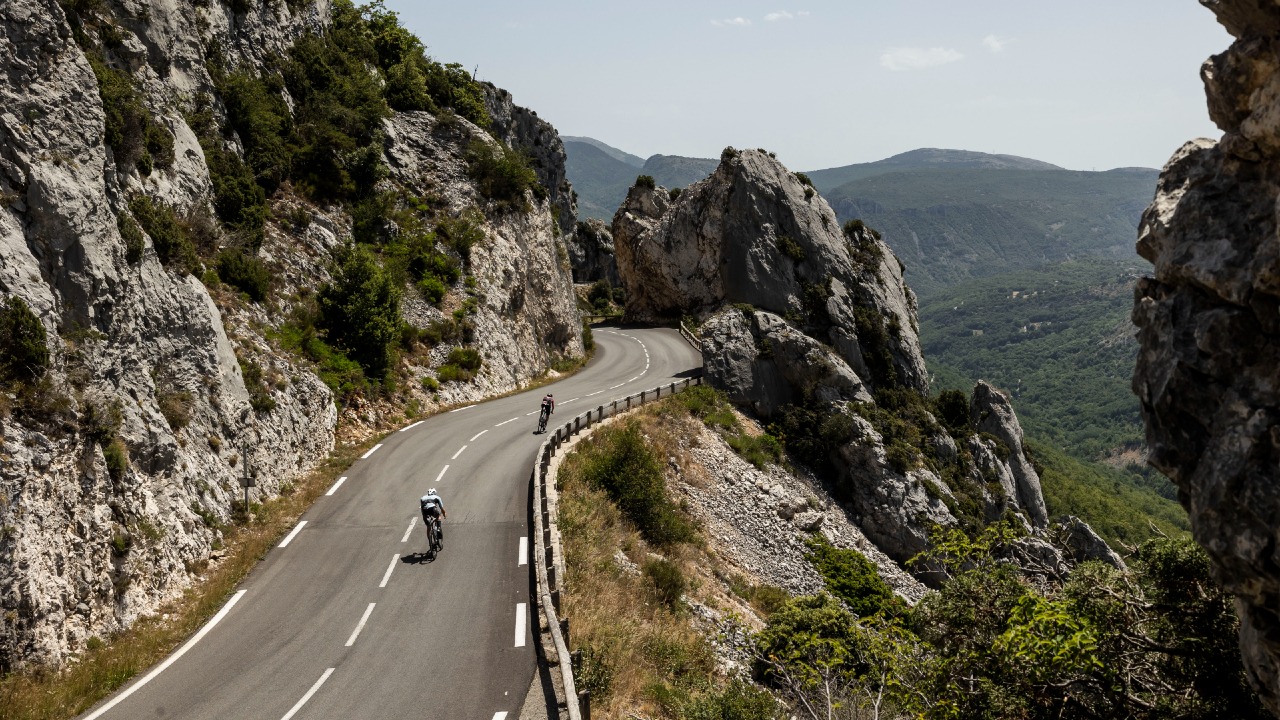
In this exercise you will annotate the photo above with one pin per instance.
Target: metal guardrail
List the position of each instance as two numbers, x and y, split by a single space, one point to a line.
549 562
694 340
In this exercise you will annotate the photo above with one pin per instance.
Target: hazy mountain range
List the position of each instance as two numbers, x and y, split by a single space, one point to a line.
950 215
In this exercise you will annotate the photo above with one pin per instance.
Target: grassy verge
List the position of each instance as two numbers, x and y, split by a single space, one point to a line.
642 654
46 695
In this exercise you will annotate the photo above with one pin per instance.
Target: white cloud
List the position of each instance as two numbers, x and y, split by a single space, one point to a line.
906 58
782 15
738 22
994 44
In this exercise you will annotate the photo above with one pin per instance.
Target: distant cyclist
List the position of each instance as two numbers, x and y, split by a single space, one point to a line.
548 407
432 507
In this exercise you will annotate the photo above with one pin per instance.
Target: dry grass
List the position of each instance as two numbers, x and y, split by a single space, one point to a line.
105 667
648 655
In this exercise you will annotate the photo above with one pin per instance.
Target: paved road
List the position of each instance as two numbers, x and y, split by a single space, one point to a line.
348 619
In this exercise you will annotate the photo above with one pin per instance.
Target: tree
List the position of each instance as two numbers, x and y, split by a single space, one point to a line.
25 351
360 310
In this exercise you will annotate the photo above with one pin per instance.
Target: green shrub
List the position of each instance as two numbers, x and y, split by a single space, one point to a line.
595 673
739 700
619 462
674 194
259 394
804 179
502 174
131 129
791 248
246 272
171 240
646 181
432 289
134 241
452 373
759 450
588 339
667 580
852 578
460 233
430 384
24 348
466 358
360 311
175 406
952 410
117 459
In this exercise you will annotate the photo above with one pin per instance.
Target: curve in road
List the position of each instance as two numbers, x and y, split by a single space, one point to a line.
348 618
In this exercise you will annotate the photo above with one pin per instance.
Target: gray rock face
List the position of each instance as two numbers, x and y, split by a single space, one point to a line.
1208 371
990 412
591 253
521 128
764 363
753 233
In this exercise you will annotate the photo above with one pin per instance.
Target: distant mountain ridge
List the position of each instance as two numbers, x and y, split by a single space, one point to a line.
950 215
620 155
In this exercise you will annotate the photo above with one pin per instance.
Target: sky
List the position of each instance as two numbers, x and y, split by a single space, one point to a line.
1086 84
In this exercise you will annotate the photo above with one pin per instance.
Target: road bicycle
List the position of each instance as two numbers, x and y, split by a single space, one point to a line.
435 540
542 420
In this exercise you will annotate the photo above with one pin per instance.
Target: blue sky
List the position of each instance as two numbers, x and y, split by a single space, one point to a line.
1087 84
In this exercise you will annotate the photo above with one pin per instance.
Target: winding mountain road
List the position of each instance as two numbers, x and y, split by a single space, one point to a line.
346 618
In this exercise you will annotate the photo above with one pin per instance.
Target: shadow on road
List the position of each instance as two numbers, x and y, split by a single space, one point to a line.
418 558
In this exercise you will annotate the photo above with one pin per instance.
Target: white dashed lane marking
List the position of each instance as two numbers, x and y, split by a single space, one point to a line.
406 532
360 625
473 437
524 552
337 485
455 455
520 620
298 705
289 538
372 450
504 422
410 427
462 408
387 575
442 471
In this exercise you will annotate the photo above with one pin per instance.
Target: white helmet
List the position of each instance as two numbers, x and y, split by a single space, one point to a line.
432 491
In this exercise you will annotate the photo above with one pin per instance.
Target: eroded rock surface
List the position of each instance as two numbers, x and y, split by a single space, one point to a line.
1208 371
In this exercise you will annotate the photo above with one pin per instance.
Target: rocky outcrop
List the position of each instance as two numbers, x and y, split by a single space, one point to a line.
765 364
754 233
521 128
1208 371
591 253
121 466
990 412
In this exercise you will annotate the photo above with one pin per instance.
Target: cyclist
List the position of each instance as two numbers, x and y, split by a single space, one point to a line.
432 506
548 407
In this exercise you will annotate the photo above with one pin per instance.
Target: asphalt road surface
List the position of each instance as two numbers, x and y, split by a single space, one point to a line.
347 617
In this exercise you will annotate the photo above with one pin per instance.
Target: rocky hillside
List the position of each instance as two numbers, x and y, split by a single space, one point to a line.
1208 372
809 326
179 185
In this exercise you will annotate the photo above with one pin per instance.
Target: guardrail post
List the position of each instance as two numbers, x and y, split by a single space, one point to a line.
575 658
564 629
642 394
673 388
577 424
601 411
584 704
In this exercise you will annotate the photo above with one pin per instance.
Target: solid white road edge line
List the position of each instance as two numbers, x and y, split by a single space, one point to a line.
372 450
387 575
473 437
524 551
410 427
455 455
298 705
442 471
289 538
336 485
462 408
360 626
520 613
172 658
504 422
406 532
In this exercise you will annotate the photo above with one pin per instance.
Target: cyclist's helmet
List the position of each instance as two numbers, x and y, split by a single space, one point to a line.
432 491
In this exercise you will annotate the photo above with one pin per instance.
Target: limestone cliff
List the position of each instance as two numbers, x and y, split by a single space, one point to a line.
120 464
810 326
1208 371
